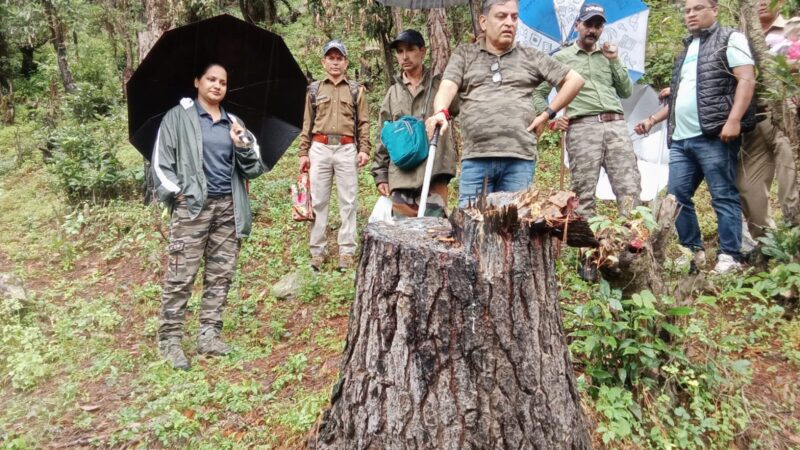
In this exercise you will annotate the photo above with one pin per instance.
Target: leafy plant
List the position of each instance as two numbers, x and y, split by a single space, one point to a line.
781 243
621 339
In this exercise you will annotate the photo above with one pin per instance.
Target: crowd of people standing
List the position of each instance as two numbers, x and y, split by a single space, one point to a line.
718 132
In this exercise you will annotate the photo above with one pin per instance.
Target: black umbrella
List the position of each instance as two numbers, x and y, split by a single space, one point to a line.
266 87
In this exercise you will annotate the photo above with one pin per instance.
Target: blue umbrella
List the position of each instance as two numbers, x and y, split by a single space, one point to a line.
548 25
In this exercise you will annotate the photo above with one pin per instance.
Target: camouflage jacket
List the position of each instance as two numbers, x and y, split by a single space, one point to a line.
177 163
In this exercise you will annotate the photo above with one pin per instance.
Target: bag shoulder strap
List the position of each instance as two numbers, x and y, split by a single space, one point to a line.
313 90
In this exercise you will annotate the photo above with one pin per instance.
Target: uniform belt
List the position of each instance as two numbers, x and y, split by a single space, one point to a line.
333 139
604 117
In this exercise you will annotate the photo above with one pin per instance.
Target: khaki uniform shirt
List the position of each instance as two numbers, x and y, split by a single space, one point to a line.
399 101
335 115
495 115
606 82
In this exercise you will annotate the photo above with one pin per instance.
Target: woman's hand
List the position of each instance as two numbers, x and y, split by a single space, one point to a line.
237 132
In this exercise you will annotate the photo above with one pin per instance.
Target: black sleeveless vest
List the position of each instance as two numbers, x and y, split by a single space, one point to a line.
716 84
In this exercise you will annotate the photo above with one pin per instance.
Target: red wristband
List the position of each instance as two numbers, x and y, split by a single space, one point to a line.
446 113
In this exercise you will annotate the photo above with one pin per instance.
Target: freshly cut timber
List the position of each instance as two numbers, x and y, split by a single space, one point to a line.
455 338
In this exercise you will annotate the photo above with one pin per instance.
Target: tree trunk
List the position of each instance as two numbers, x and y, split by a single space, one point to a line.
158 20
439 39
58 33
28 66
388 58
270 13
397 18
456 340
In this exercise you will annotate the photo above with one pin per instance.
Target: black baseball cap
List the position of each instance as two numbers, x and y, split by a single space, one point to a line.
589 10
411 37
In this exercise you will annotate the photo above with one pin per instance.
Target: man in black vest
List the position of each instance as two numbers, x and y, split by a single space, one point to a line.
712 87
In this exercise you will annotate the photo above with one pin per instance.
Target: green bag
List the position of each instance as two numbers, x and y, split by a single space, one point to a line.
406 140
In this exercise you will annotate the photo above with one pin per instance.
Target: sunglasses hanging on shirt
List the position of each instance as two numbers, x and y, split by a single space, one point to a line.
495 68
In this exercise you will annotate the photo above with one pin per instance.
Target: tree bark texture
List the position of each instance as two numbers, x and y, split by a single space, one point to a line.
439 39
388 57
158 19
456 341
58 33
159 16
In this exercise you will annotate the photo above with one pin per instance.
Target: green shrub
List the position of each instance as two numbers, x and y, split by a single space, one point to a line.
86 163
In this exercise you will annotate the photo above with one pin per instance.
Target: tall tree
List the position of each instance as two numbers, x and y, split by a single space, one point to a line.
159 17
117 18
58 35
439 39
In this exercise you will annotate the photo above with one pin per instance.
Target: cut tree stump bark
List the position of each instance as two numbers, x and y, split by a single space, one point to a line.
455 338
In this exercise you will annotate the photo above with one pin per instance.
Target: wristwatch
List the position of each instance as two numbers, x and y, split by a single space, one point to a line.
550 112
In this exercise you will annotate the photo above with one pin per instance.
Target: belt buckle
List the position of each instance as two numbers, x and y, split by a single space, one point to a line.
334 139
600 118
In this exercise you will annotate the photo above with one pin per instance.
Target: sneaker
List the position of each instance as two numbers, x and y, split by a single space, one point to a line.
726 264
170 349
317 262
209 343
695 261
345 262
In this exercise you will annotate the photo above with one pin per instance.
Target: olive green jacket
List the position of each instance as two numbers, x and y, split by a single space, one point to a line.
177 163
399 102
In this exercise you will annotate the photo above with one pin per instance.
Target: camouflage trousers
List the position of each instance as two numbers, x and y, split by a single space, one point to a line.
592 145
211 236
405 202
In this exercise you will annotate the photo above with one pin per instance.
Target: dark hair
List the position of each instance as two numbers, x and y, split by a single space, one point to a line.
202 69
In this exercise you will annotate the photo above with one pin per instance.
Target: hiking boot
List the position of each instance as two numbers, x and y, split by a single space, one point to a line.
345 262
171 351
726 264
317 262
209 343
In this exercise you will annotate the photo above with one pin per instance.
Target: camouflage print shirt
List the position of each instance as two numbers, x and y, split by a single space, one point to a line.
495 115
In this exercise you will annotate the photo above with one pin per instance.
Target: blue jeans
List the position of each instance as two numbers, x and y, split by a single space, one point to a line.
691 160
505 175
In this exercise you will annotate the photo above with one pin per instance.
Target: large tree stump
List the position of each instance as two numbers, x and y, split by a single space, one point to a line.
456 340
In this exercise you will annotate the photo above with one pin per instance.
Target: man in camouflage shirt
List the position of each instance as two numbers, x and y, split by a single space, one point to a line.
495 80
597 134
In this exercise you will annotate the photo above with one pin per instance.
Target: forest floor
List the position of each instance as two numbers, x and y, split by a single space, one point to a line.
81 368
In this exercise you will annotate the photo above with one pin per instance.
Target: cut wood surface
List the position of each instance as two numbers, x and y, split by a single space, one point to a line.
456 339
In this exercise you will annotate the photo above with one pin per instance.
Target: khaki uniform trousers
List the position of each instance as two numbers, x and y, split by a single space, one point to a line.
766 154
211 236
329 162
